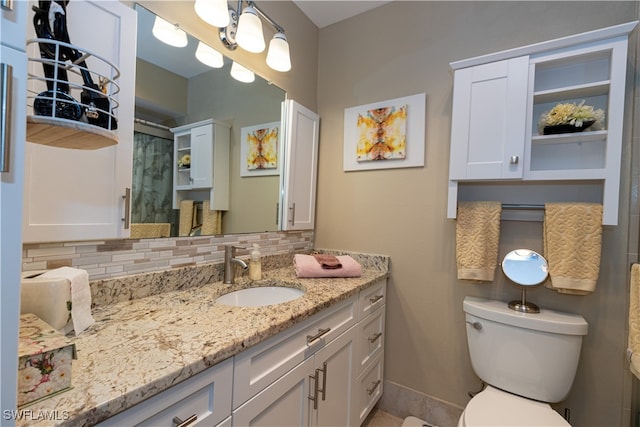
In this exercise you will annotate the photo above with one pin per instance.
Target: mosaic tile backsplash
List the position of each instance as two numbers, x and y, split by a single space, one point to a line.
115 258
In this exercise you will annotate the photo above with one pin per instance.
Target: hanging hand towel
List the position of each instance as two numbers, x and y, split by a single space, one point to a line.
308 266
633 350
211 220
572 246
78 279
477 240
186 217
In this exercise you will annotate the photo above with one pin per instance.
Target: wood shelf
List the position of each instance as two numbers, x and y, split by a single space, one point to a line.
57 132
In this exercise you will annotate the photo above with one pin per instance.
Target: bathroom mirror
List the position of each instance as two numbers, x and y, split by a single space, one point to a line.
525 267
172 89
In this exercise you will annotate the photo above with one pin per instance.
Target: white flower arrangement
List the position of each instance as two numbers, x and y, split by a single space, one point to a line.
573 114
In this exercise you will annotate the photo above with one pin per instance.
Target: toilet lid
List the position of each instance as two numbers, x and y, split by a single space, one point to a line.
493 407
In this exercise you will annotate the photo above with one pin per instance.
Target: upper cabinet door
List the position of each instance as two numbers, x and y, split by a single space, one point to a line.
13 25
78 194
489 116
301 131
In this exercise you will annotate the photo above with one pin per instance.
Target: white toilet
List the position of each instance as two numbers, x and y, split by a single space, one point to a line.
526 360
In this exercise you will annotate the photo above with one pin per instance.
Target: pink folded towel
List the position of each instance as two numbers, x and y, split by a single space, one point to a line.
308 266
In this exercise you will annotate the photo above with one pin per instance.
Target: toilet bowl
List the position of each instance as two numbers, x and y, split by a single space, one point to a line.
493 407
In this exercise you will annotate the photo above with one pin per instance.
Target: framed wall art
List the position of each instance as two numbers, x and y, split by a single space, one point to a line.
385 134
259 150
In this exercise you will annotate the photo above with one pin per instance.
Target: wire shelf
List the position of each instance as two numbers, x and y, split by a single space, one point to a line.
73 106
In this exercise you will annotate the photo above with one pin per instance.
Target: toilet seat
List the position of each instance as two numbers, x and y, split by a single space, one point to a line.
493 407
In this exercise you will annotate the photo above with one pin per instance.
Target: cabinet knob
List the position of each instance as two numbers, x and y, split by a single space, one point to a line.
514 160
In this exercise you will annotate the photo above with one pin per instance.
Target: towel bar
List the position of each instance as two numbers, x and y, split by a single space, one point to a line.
522 206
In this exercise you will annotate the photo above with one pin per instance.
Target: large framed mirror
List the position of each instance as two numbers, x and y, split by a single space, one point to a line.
173 89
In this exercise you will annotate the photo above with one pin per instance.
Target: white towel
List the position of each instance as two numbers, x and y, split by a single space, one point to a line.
633 351
78 279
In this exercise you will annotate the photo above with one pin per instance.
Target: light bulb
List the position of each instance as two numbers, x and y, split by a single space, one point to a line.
209 56
241 74
249 35
213 12
278 56
169 33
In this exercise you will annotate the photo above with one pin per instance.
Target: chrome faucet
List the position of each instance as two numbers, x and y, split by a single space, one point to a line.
229 260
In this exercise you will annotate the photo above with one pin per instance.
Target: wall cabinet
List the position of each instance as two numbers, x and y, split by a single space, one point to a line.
206 175
81 194
13 96
299 175
498 101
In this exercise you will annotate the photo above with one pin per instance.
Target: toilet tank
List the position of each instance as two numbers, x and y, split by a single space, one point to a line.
531 355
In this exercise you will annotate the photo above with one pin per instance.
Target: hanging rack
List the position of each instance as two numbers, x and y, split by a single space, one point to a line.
522 206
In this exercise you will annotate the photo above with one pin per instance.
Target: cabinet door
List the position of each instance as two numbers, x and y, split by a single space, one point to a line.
78 194
202 156
301 167
13 96
336 367
284 403
13 25
489 120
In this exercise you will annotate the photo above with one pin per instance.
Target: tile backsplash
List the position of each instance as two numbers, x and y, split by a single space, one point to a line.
115 258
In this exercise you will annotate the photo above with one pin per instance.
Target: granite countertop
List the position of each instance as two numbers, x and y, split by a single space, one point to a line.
139 348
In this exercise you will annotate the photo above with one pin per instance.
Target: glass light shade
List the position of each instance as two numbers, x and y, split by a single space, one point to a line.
278 56
213 12
241 74
249 35
169 33
209 56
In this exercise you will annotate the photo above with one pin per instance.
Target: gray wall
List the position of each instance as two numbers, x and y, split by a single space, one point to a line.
404 48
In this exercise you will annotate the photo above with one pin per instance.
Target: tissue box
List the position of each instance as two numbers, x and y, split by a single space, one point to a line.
44 360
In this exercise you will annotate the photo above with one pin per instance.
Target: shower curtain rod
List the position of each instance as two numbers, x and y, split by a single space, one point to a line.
148 123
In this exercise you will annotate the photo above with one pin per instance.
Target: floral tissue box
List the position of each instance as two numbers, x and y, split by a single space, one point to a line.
44 364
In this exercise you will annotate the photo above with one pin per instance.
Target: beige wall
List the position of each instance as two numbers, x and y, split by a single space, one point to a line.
404 48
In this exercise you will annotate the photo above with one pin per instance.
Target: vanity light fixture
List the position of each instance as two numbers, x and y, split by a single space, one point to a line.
242 74
209 56
169 33
246 31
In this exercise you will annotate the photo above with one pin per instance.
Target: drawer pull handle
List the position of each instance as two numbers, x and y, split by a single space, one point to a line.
314 397
179 423
375 336
374 386
375 299
324 380
321 332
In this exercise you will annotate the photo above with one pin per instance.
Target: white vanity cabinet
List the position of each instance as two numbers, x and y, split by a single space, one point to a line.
497 103
73 194
204 399
299 175
206 177
318 373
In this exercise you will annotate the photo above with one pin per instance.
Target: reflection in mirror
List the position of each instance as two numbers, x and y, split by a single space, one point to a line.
173 89
525 268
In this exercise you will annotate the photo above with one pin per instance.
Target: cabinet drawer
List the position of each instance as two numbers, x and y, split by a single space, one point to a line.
206 395
370 338
370 387
372 298
261 365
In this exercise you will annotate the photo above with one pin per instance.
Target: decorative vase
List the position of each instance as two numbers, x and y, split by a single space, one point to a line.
566 128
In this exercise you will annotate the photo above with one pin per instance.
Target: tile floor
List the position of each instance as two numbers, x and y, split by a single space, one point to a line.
378 418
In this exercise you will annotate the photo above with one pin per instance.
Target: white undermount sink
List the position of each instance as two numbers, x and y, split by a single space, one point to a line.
259 296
